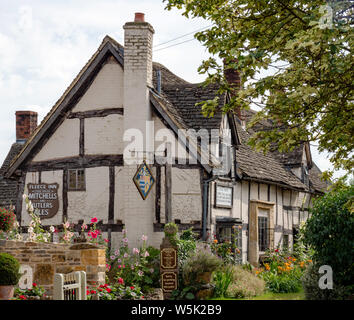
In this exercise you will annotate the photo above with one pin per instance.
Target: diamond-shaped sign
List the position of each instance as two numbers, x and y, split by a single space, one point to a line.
144 180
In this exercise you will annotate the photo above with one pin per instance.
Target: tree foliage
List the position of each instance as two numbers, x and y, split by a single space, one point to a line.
296 62
329 231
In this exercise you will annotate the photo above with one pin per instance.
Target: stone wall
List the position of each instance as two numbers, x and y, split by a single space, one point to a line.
46 259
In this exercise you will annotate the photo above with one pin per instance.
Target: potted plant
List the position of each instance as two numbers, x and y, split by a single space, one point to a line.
9 275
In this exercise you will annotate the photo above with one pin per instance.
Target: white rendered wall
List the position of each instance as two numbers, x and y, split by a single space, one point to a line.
106 91
63 143
103 135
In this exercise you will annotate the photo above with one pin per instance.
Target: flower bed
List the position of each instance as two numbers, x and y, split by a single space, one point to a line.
282 272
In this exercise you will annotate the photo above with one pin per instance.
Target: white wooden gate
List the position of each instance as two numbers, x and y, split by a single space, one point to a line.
71 286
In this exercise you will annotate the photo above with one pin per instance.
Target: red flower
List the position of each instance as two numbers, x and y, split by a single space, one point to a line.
87 292
93 292
22 297
94 220
120 281
276 250
34 284
108 290
132 287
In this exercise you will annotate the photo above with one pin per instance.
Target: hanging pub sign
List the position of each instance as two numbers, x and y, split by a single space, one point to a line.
44 198
223 196
144 180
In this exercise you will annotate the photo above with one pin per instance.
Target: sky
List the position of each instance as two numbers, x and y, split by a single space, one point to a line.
44 44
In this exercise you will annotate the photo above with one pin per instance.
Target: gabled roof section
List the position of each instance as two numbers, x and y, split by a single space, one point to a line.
316 183
185 97
174 120
75 90
291 158
263 167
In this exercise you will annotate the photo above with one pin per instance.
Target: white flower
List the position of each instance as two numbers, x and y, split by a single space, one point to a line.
29 207
52 229
30 230
144 238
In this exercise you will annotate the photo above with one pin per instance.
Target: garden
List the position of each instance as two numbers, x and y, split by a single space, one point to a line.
208 270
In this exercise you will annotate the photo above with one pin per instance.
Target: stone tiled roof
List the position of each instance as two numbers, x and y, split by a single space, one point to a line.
265 167
315 179
185 98
290 158
8 187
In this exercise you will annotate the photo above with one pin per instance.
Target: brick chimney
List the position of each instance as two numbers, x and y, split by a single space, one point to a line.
139 214
138 37
233 77
26 123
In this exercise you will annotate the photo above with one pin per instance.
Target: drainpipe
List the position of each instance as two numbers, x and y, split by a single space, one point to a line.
205 205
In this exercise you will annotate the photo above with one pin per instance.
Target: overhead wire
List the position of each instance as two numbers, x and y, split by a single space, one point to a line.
179 37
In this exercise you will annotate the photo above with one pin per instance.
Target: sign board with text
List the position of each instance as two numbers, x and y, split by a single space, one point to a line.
168 267
44 198
223 196
169 281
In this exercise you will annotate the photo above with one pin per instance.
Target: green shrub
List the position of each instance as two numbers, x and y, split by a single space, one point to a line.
9 270
222 280
329 231
201 261
188 235
314 292
283 283
170 230
244 284
186 245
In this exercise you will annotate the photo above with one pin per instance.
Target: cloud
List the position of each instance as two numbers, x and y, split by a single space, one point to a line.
44 44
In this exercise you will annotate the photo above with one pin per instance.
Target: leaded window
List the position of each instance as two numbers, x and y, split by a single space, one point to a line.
263 237
76 180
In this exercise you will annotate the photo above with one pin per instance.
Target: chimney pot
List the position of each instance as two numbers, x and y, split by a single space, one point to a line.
139 17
